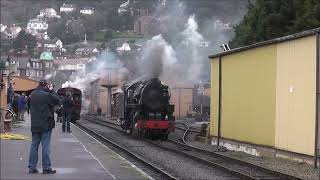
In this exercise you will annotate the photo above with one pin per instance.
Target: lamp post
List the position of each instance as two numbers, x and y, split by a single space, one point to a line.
200 91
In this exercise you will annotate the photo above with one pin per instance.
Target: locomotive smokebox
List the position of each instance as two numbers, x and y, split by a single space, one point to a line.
155 95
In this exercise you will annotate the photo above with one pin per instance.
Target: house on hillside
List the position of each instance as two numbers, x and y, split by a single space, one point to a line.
47 62
49 13
23 66
124 7
143 24
36 25
87 51
11 32
78 64
67 8
220 25
163 2
87 11
204 44
124 48
50 44
2 27
42 35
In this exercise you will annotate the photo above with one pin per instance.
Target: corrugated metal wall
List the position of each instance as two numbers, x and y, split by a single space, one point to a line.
214 101
248 95
268 95
296 88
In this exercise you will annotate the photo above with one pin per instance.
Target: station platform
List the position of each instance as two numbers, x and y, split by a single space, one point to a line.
75 155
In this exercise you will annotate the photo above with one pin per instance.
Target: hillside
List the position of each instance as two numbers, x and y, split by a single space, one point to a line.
20 11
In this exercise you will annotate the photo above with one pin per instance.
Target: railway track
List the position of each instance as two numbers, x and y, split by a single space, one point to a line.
252 171
228 164
161 174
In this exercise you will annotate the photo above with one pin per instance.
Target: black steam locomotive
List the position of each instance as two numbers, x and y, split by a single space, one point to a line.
143 109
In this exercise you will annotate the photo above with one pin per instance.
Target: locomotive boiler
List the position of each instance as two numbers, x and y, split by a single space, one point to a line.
143 109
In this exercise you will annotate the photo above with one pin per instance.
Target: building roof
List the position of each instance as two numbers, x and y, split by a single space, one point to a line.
48 41
71 61
269 42
37 20
67 5
146 18
22 60
47 9
86 50
46 56
88 8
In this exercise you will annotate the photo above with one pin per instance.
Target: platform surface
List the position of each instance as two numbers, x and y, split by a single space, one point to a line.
74 155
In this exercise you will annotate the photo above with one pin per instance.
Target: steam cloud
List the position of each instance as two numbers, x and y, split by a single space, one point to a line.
102 66
179 53
156 54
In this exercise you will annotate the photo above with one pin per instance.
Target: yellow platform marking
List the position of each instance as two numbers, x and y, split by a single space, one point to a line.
10 136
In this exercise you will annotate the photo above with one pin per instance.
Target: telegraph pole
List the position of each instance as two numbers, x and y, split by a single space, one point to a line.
2 111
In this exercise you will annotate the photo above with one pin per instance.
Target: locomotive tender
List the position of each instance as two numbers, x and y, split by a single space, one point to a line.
143 109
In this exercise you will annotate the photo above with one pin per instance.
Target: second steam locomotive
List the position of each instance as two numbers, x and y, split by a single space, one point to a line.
143 109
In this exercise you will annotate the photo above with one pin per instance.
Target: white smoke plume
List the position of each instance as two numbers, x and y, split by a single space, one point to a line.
192 40
102 66
156 54
48 76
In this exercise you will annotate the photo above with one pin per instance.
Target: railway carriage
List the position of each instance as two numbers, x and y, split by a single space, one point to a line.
76 98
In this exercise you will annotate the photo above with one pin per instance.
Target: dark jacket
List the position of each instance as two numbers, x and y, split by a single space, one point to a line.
51 109
22 103
67 104
40 102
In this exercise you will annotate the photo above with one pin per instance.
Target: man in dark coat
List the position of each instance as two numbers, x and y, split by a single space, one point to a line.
41 127
67 104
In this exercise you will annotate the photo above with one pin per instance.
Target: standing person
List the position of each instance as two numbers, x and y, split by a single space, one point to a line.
10 95
51 107
22 106
59 113
41 127
67 111
15 103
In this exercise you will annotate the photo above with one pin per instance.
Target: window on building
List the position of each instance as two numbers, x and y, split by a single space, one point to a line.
41 73
28 64
18 64
34 64
47 65
27 72
38 74
40 65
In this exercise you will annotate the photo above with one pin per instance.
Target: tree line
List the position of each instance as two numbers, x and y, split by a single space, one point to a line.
268 19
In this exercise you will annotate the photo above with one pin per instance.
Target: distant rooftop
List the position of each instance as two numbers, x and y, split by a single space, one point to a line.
67 5
46 56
